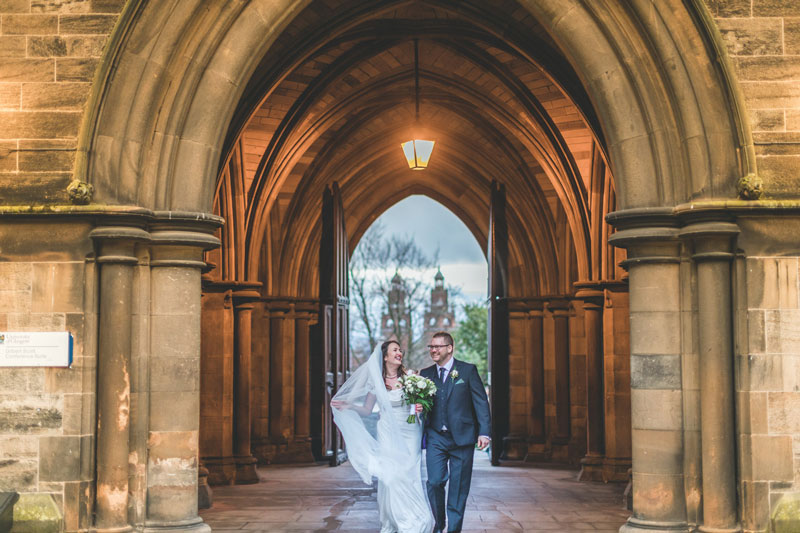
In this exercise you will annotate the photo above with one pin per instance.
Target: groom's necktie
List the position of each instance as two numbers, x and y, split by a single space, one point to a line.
442 370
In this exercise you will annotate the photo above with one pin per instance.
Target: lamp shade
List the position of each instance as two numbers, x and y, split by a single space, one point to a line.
418 153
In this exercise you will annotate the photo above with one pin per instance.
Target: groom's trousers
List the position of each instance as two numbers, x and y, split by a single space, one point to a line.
447 460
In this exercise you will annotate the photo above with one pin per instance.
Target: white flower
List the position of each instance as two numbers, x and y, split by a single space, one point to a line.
454 374
421 385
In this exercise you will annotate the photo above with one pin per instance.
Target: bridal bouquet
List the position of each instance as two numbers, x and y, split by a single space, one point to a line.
417 389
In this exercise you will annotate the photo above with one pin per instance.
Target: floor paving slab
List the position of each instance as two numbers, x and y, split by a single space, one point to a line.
511 497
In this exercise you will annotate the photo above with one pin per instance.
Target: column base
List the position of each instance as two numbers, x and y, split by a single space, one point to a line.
515 447
194 525
246 471
591 468
708 529
204 494
221 470
296 451
635 525
122 529
616 470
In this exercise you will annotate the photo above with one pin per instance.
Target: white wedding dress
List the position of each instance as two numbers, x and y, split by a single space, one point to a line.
402 502
381 444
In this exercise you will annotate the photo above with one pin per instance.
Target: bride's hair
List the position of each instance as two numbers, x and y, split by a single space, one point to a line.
401 371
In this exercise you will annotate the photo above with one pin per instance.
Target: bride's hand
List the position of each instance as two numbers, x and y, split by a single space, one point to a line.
339 404
418 407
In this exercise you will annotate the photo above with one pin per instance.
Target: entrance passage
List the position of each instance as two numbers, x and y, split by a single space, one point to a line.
318 498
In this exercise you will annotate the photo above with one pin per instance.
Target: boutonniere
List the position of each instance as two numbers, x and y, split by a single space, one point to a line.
454 374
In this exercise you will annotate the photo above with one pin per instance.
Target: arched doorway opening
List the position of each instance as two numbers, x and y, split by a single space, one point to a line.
534 106
411 274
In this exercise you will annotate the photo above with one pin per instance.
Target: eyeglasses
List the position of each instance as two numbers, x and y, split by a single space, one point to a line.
437 346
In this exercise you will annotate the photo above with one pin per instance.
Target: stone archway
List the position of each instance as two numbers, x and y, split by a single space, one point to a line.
671 133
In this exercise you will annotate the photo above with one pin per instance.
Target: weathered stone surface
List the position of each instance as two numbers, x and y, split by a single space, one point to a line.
177 411
33 188
791 35
755 496
768 68
767 119
656 333
18 474
59 458
75 69
748 36
46 155
783 331
40 125
775 8
30 24
784 412
58 288
26 69
16 276
61 6
772 283
655 371
84 24
22 380
47 46
54 96
760 372
772 458
30 414
656 409
15 6
10 96
729 8
107 6
175 374
11 46
778 176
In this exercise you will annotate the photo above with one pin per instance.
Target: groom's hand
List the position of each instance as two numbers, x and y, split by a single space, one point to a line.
483 442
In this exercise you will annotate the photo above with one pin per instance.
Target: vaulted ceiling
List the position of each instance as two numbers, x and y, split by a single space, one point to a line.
334 99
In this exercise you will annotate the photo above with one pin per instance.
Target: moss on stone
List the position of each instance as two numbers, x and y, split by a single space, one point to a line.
786 517
37 513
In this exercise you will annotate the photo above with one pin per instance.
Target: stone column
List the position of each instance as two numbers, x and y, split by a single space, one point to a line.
617 385
653 263
243 300
592 463
117 261
536 424
713 247
302 381
172 462
560 311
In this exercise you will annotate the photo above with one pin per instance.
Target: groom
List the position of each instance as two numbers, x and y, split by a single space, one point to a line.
459 419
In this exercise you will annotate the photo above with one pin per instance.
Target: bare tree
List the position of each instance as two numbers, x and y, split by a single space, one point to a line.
373 267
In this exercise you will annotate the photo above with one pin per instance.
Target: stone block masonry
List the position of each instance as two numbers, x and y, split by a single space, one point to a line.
49 52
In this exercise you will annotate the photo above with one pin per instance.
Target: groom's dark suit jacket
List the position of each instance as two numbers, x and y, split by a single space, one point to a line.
467 413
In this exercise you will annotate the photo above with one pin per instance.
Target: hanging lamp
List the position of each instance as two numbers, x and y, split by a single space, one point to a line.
417 151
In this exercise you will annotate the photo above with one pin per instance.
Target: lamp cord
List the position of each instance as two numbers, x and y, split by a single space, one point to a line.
416 78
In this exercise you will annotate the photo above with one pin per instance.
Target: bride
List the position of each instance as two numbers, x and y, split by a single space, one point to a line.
370 413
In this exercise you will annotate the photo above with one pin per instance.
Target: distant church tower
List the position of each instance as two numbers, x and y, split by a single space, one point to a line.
396 320
439 316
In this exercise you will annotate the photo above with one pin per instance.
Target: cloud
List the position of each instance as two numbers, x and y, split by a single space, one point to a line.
433 226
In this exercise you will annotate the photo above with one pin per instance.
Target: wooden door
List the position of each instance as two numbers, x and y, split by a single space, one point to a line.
499 382
334 318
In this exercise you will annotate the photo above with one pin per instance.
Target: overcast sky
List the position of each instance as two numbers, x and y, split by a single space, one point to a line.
433 225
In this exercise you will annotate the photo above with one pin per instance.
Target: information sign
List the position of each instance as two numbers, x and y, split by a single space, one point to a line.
34 348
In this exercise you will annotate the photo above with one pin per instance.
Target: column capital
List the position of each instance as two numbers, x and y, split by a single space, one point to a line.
591 293
115 244
558 306
712 239
246 294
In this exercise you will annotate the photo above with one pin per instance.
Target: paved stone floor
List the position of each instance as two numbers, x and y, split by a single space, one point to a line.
506 498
